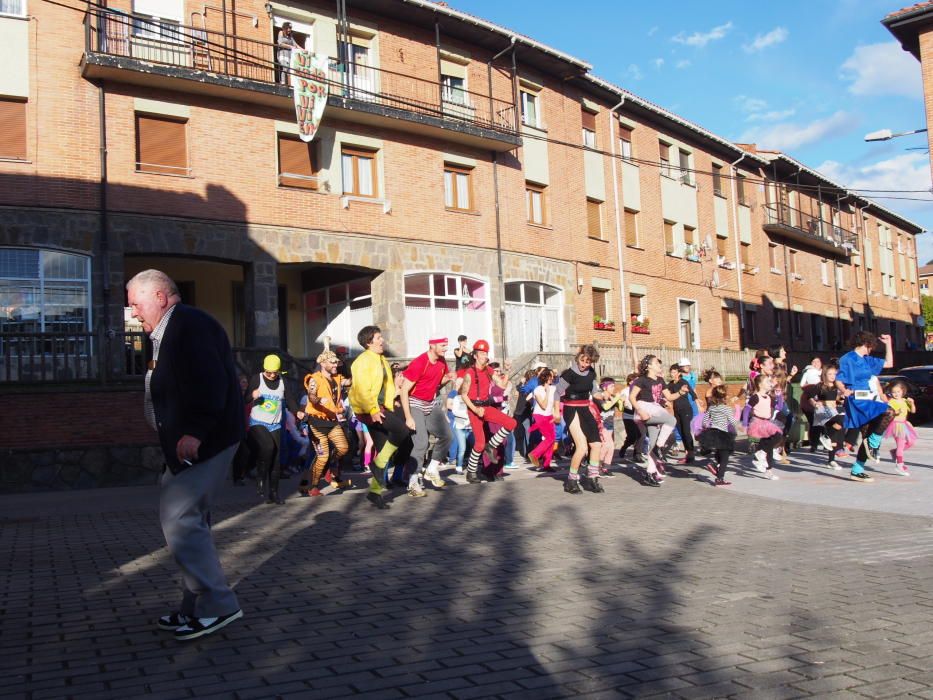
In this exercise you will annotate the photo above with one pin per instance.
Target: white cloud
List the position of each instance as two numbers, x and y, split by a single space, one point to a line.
683 63
701 39
749 104
772 116
633 72
653 31
763 41
658 62
882 69
787 136
908 171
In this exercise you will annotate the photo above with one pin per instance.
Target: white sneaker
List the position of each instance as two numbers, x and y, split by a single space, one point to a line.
777 454
826 442
769 474
760 461
433 474
835 466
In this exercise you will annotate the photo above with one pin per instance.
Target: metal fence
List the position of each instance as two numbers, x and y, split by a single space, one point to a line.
71 357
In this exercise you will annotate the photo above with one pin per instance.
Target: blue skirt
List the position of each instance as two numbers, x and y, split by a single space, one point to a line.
860 412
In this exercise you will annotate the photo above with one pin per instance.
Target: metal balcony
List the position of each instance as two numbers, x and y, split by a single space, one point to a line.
128 48
793 224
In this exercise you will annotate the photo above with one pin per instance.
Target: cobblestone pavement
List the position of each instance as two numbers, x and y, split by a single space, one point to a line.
512 590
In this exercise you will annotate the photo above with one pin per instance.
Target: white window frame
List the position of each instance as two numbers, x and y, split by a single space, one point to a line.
460 297
527 94
41 282
23 8
695 324
559 306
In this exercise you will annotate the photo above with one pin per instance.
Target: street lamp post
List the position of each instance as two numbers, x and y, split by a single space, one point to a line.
887 135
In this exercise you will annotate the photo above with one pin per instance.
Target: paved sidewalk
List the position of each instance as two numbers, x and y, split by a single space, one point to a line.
512 590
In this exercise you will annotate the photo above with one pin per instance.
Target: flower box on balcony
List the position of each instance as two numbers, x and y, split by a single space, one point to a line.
641 330
604 325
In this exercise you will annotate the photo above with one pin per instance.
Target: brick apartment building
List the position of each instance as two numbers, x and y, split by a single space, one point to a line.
465 179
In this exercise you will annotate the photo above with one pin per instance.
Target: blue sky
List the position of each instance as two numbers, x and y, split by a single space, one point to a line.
809 78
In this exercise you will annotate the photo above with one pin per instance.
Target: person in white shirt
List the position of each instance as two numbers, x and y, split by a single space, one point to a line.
812 373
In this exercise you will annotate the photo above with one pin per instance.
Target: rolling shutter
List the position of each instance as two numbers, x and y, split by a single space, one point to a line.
161 145
13 129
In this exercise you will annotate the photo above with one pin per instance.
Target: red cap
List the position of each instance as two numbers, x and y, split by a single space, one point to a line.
437 341
481 345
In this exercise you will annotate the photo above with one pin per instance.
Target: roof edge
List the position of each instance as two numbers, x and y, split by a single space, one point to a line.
666 114
498 29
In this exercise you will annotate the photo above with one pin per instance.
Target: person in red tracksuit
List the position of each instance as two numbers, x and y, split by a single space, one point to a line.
477 381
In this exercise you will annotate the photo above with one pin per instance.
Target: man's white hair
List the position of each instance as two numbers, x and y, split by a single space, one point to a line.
156 280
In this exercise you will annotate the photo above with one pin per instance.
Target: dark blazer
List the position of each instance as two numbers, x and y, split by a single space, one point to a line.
194 386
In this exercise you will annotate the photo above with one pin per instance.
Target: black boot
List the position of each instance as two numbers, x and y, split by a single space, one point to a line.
572 486
591 484
378 500
261 485
473 477
273 495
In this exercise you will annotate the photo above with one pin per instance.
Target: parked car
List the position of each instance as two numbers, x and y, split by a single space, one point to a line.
922 396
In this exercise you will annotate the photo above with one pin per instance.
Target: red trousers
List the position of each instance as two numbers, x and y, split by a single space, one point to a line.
490 416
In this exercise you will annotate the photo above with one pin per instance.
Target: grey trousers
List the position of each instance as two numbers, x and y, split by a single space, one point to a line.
436 424
185 513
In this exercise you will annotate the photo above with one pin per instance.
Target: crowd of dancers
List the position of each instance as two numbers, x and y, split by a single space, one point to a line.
408 425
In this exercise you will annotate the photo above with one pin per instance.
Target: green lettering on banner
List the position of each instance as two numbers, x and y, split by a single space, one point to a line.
309 88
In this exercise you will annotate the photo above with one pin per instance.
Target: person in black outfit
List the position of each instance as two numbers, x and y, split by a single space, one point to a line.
192 400
268 394
683 410
576 390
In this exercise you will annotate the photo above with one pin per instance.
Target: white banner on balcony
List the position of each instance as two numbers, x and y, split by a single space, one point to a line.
309 86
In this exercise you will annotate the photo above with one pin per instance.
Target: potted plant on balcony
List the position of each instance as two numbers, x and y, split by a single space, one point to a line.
691 253
641 324
602 324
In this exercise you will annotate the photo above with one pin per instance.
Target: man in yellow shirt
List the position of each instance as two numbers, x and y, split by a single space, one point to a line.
372 398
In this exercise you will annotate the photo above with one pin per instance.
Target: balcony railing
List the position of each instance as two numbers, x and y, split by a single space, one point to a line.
166 43
802 226
71 357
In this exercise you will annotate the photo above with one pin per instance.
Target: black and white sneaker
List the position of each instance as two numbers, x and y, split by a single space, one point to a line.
202 626
172 622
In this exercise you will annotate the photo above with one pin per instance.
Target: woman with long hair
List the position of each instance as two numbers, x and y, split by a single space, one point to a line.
649 397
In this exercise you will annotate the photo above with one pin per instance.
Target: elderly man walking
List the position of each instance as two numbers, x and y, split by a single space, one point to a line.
193 401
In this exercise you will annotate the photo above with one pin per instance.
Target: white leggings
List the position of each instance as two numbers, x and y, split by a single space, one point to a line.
659 426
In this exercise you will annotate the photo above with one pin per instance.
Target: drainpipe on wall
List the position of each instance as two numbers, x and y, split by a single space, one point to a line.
104 236
738 253
620 225
495 186
495 189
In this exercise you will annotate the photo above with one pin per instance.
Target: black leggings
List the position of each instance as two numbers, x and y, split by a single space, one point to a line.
392 429
631 436
722 458
875 427
769 444
264 445
834 431
683 419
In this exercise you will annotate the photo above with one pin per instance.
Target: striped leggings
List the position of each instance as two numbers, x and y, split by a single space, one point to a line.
325 438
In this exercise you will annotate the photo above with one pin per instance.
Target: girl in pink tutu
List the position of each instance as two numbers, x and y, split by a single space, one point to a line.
900 428
762 426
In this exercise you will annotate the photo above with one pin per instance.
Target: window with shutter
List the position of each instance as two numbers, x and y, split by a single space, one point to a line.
594 224
13 129
589 129
297 163
625 141
631 228
161 145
